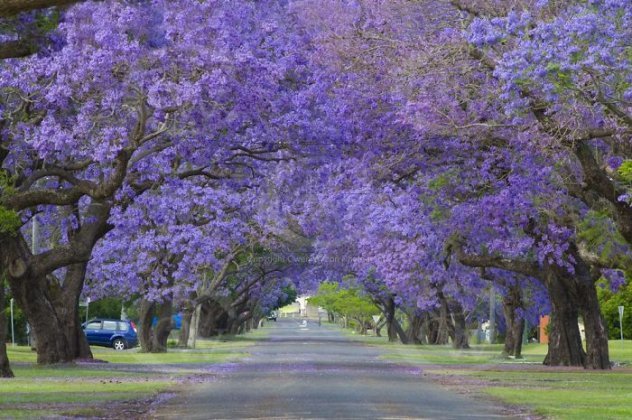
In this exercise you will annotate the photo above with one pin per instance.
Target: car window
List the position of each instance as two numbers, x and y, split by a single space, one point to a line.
109 325
123 326
96 325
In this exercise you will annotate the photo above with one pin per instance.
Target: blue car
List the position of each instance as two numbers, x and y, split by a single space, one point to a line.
119 335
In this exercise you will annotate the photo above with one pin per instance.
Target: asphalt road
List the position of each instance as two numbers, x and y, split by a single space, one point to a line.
314 372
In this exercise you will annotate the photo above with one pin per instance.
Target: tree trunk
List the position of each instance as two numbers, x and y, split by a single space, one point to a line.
212 319
5 368
597 353
461 339
33 296
393 328
379 326
146 315
515 323
50 306
256 323
185 330
425 333
68 308
443 333
163 327
414 331
195 326
565 345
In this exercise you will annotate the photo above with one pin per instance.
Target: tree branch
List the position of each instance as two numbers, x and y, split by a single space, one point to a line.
13 7
527 268
15 49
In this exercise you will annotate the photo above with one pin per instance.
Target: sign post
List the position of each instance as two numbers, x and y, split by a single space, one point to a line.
12 325
621 321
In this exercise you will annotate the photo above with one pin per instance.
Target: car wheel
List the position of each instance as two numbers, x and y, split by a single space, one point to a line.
118 344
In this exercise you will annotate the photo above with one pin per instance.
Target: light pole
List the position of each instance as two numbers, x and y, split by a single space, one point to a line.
12 326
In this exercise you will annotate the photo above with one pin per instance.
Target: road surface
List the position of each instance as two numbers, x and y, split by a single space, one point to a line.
314 372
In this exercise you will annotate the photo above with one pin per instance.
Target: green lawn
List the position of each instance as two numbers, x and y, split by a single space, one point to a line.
561 393
87 389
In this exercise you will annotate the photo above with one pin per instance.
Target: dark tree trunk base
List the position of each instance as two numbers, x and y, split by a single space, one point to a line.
5 368
597 352
515 324
565 345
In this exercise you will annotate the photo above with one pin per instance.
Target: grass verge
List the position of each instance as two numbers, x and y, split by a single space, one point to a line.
560 393
127 384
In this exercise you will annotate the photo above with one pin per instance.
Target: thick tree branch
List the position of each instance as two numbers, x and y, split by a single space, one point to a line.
13 7
15 49
527 268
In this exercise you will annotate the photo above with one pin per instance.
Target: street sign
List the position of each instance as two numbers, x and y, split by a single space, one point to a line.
376 318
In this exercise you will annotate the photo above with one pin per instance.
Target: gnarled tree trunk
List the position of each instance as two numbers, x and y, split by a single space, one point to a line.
414 331
163 327
565 345
597 352
51 306
393 327
515 323
154 339
146 315
33 296
461 339
379 326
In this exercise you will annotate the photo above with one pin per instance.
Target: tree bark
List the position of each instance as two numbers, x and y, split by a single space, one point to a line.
48 326
565 346
67 305
414 331
569 294
50 305
213 319
146 315
195 326
515 323
163 327
393 327
5 368
461 339
379 326
444 332
438 327
13 7
185 330
597 352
